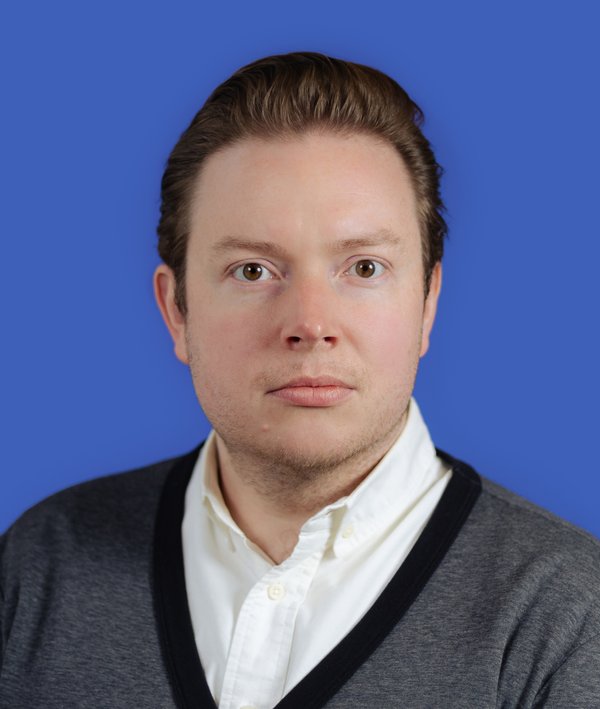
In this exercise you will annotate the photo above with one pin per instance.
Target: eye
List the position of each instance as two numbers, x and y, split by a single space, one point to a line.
252 272
367 268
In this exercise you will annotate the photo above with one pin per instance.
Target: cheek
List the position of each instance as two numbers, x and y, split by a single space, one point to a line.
394 337
220 342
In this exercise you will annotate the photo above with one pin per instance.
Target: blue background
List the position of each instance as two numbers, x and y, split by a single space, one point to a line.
95 94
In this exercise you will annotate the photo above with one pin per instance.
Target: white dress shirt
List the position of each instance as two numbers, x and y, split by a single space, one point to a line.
259 627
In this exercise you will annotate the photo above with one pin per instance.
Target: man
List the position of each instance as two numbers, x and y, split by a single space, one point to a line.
316 550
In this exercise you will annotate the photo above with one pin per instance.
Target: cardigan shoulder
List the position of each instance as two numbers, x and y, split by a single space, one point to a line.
96 509
536 531
77 534
536 579
76 595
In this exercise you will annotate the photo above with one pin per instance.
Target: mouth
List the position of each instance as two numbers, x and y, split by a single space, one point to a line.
313 392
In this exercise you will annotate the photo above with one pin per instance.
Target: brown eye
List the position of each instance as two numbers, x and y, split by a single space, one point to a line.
252 272
365 268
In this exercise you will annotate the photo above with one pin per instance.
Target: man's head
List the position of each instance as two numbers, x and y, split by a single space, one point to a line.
287 95
297 240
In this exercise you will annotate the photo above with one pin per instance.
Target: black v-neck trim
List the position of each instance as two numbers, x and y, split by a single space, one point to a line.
323 682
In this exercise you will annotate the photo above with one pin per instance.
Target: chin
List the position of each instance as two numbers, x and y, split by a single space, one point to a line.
311 447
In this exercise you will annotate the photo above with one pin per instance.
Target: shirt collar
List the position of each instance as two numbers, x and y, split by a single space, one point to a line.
382 499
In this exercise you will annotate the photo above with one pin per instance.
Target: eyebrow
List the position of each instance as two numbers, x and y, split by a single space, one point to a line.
234 243
383 237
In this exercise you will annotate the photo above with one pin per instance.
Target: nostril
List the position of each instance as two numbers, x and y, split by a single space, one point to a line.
294 338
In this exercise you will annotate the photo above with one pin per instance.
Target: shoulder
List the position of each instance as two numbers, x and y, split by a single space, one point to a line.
535 530
517 528
91 501
521 588
116 510
76 583
542 570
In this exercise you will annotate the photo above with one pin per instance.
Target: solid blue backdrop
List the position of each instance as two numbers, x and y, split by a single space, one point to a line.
94 96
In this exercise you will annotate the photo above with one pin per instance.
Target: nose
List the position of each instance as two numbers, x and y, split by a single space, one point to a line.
310 316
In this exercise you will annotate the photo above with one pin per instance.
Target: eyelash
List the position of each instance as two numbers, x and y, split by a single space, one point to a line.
265 270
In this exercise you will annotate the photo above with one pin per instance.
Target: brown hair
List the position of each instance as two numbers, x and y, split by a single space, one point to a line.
289 94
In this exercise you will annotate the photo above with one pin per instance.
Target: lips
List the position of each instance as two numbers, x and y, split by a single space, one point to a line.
311 392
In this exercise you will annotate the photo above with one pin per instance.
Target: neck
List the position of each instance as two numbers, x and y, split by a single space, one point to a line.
270 502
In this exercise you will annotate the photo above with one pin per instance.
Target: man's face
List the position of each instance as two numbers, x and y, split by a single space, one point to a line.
306 312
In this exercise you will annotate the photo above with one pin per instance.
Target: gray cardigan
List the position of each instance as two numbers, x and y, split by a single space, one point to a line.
497 605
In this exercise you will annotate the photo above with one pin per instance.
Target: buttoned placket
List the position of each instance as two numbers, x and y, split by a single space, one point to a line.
256 670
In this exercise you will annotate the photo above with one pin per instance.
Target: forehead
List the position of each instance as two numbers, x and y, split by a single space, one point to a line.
318 183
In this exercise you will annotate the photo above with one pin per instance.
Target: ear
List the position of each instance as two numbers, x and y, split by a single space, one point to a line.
430 308
164 292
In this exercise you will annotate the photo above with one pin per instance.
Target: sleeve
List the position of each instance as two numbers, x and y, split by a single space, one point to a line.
576 683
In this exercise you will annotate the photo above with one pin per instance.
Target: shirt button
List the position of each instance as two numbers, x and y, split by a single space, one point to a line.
275 591
348 532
